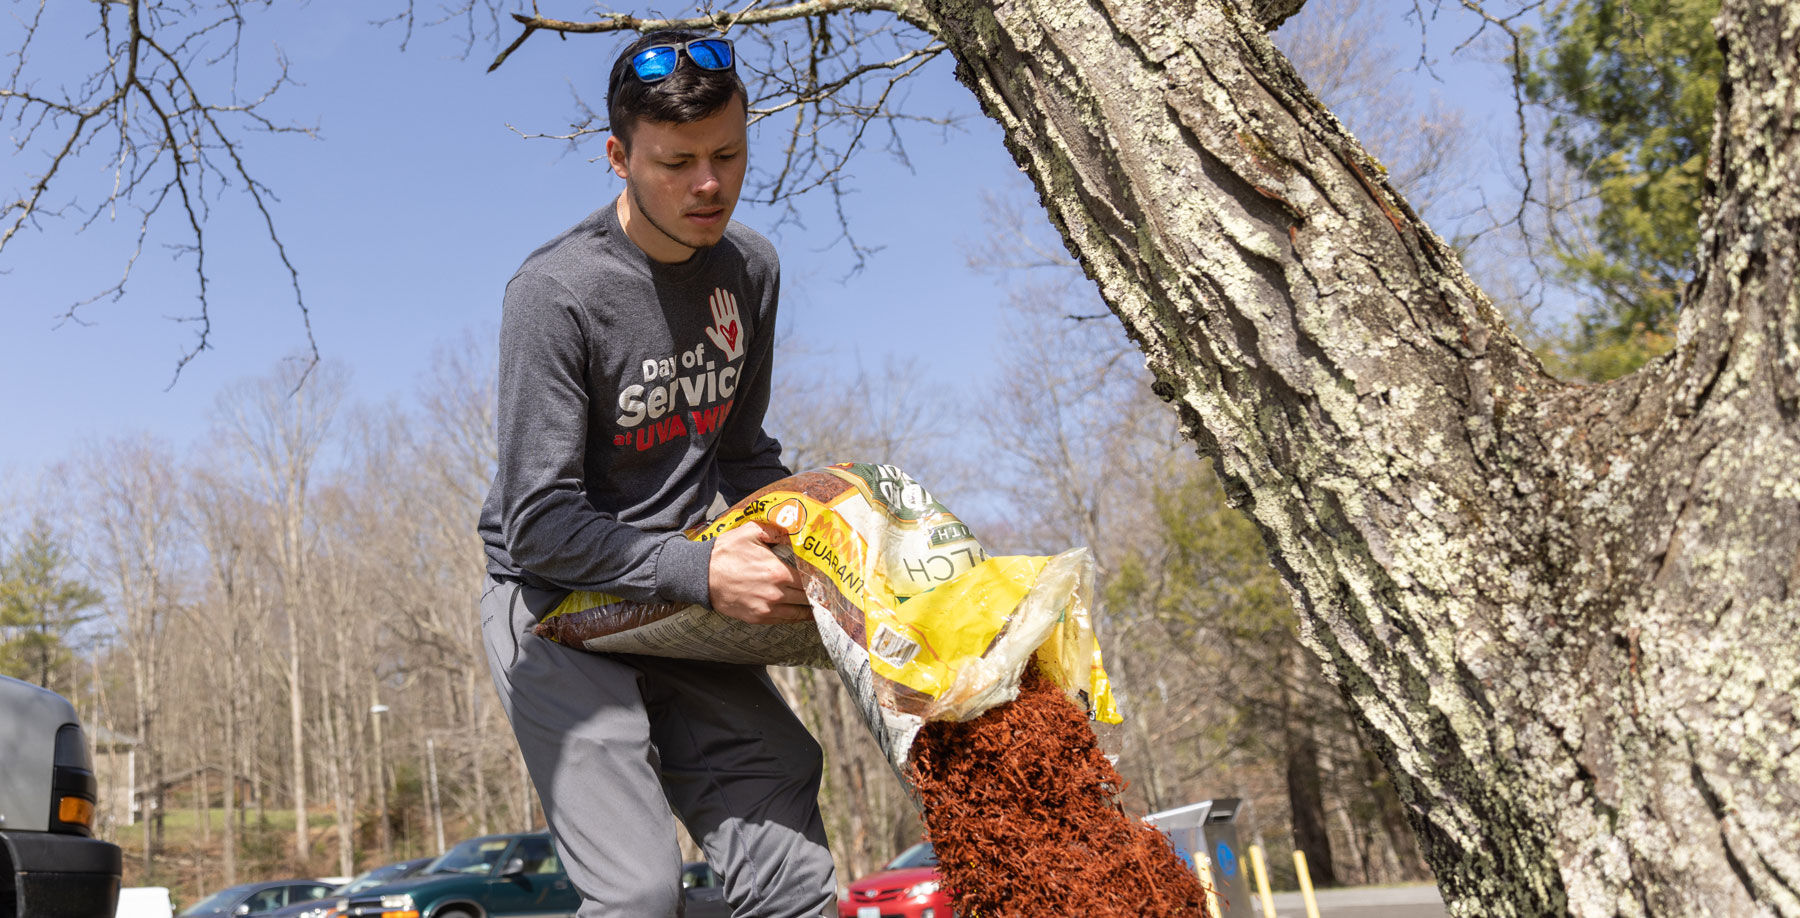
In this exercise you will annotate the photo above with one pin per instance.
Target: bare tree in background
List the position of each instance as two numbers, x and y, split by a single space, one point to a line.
219 518
894 414
1086 455
454 454
277 426
1339 50
130 489
155 112
344 641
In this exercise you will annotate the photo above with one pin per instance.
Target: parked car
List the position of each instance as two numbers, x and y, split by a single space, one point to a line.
257 898
704 891
333 904
906 887
381 876
50 862
488 876
499 875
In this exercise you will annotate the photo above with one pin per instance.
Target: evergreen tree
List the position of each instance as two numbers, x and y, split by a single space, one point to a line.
39 605
1632 86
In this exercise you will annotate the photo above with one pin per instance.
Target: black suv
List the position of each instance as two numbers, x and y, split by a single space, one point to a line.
50 862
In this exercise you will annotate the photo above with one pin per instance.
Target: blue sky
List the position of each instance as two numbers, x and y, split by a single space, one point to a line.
408 214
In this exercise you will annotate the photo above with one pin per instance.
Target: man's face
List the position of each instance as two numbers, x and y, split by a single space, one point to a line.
682 180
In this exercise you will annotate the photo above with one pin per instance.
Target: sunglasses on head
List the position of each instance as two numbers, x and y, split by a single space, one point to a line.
658 61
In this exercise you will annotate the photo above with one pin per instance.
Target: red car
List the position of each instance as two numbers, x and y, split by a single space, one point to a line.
906 888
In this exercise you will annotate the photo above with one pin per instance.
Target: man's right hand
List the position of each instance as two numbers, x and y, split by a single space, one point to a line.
749 583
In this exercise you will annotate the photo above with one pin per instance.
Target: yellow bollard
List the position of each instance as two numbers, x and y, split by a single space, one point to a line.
1312 905
1262 881
1203 866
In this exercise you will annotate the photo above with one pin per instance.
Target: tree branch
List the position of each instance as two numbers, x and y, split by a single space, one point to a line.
165 133
834 71
717 22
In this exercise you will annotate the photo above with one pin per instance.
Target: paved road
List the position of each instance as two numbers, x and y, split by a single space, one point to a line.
1364 902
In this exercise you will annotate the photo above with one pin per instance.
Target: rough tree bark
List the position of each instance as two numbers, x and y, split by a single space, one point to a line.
1565 615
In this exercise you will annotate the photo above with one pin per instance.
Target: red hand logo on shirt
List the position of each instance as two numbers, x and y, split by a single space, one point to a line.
726 334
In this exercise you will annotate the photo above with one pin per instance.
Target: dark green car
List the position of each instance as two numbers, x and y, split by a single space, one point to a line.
517 875
506 875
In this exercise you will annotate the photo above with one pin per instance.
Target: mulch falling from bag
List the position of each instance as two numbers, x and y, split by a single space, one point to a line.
1021 806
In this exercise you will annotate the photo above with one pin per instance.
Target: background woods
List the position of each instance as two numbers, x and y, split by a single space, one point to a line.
270 632
271 635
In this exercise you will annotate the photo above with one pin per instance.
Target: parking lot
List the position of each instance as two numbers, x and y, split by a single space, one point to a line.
1420 901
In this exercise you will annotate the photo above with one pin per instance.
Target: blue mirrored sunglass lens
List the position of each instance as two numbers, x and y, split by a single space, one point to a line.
654 63
710 54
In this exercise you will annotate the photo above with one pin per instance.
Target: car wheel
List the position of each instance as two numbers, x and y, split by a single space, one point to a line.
454 913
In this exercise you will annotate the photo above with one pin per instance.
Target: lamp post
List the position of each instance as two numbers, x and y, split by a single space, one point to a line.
381 779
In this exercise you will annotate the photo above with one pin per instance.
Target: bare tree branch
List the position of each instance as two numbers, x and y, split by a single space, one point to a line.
718 22
170 139
833 67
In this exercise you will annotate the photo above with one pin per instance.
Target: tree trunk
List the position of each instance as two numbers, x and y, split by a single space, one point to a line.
478 730
1360 849
1306 797
337 719
43 647
203 807
253 748
343 801
297 736
230 755
1564 616
150 772
1407 866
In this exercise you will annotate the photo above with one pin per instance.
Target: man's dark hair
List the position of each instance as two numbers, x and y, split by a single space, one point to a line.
688 94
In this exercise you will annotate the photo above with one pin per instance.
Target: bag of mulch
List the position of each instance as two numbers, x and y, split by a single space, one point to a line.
919 622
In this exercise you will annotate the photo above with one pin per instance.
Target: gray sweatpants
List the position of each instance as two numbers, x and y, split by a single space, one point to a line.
615 741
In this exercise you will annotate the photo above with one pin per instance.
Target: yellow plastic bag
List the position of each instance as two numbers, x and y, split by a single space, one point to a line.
909 609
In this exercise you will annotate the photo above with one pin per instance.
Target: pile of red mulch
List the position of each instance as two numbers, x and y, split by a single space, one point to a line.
1021 807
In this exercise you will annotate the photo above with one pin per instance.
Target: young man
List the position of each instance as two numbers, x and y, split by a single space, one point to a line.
634 373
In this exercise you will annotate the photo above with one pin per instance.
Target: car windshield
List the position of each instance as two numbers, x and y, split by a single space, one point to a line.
919 855
370 879
220 901
698 875
477 855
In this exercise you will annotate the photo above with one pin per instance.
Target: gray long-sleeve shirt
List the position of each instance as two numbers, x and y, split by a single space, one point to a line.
631 393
